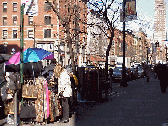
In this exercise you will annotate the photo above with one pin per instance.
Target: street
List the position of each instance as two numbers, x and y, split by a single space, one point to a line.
139 104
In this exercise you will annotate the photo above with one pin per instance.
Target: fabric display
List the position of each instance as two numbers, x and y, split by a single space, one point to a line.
46 100
56 105
8 90
40 100
29 89
51 106
9 107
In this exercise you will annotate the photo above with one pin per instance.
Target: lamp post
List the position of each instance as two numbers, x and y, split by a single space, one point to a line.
123 81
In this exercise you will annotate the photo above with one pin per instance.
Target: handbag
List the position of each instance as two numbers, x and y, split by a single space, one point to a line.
28 111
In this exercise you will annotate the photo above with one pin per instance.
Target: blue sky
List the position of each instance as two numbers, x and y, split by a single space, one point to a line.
147 7
145 12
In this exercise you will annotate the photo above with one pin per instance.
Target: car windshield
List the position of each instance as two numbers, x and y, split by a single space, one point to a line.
117 69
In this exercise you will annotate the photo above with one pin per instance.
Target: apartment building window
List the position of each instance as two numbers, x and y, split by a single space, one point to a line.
14 20
47 6
4 7
30 20
47 33
14 7
14 33
47 20
4 20
4 34
30 34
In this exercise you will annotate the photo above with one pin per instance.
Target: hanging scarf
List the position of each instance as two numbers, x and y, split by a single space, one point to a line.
47 98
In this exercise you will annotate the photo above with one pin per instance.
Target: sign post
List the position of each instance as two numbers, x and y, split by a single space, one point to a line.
128 14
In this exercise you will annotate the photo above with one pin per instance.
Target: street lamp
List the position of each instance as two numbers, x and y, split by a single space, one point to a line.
123 81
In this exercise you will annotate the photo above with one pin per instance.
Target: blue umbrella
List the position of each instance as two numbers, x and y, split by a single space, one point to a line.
31 55
36 54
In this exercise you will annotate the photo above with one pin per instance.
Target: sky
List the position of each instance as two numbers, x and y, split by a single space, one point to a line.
145 11
145 14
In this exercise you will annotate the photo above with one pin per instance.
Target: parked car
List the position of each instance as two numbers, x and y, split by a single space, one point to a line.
137 65
134 73
117 74
140 73
111 66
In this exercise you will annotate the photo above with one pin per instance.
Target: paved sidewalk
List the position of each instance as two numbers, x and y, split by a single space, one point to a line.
139 104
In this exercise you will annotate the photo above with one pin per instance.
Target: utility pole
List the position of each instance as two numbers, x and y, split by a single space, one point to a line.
123 81
21 65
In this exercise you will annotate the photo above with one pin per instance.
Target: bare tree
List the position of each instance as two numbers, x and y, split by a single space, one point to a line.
108 10
96 40
68 15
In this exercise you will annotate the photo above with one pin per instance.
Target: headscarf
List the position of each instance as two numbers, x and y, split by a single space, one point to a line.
57 70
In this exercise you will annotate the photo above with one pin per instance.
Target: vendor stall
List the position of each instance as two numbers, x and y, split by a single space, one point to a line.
40 101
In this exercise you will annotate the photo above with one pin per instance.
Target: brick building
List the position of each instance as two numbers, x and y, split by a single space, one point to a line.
160 20
42 28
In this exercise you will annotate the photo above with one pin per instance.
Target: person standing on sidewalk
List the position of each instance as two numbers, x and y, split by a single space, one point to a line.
147 71
155 71
64 90
162 76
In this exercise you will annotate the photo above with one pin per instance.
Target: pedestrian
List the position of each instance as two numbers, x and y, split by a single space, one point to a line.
147 71
162 76
155 71
64 90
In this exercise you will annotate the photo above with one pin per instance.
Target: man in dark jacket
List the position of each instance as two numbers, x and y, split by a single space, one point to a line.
155 71
162 70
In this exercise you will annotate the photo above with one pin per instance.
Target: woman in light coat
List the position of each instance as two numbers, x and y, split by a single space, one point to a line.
64 90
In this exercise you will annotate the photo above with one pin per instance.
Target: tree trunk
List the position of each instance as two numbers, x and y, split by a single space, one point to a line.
69 39
72 57
107 54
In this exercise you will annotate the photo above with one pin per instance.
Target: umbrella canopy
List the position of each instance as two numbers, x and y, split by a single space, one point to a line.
31 55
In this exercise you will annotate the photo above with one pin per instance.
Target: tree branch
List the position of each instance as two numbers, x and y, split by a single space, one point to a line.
100 10
55 9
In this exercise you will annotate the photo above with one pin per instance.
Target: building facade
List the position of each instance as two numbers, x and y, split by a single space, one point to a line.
97 41
42 27
39 30
159 20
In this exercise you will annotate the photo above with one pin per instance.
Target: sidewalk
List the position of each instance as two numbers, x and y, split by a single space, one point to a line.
139 104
